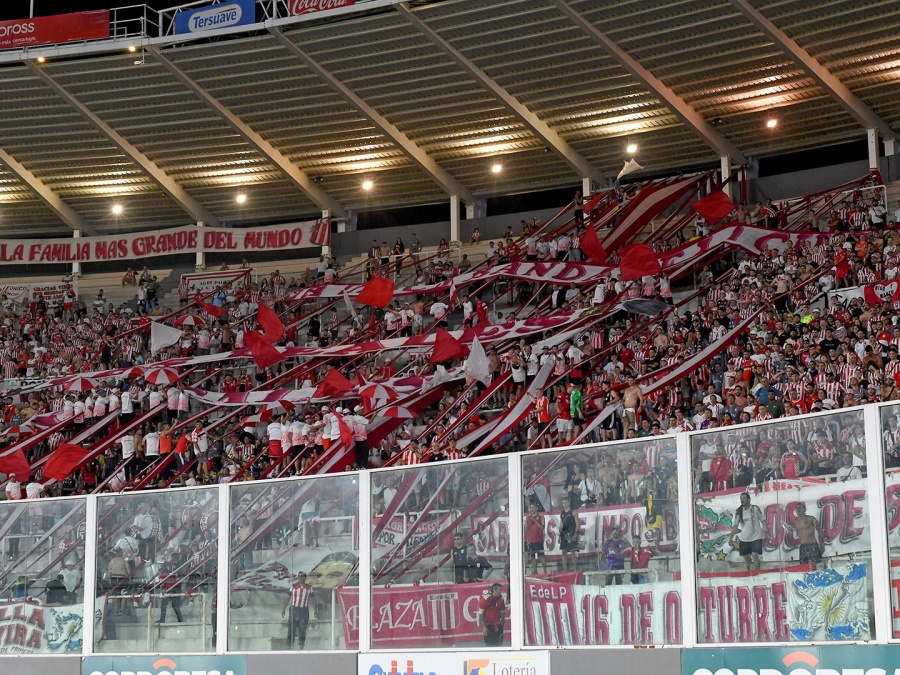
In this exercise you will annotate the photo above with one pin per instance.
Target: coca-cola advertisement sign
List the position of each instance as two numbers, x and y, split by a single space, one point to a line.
299 7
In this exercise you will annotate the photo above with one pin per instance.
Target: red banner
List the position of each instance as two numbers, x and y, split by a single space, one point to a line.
875 294
419 616
46 30
299 7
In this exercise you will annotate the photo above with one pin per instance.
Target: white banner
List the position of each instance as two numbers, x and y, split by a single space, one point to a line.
207 282
596 525
842 510
31 628
186 239
824 605
53 293
455 663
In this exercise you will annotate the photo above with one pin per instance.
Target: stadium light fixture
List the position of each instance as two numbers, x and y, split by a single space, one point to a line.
41 59
132 49
117 209
496 168
241 198
631 148
772 123
367 185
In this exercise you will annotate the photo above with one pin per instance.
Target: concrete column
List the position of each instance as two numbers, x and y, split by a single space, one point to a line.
76 266
326 250
201 254
726 172
587 186
872 136
455 230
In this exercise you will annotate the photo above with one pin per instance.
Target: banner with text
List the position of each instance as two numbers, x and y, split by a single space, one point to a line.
47 30
207 282
299 7
455 663
186 239
30 628
429 615
825 605
53 293
213 17
841 509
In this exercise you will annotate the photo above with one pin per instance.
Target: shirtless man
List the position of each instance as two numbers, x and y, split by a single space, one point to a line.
633 400
608 476
809 532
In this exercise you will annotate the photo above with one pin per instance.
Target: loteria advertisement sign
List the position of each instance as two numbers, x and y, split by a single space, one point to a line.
455 663
299 7
187 239
47 30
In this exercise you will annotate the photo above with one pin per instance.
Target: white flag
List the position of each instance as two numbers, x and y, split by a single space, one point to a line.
630 167
350 307
478 366
162 336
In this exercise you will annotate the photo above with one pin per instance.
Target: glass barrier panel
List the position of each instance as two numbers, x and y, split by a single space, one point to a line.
890 444
156 571
42 576
294 564
601 545
440 555
783 543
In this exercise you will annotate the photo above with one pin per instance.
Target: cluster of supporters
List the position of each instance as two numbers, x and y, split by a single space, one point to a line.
793 360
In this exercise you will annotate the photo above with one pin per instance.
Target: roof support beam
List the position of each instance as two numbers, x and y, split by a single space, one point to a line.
62 210
860 111
690 117
420 158
556 143
190 205
296 175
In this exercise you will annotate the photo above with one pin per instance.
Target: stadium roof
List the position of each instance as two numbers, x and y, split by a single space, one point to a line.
422 99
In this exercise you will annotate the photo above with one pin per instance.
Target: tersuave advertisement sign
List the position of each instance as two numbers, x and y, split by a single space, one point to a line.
455 663
45 30
836 660
214 17
187 239
163 665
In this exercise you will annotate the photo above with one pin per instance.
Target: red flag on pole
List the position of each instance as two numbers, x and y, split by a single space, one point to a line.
446 347
272 327
63 461
638 260
264 354
346 432
377 293
212 310
592 247
714 206
333 384
14 462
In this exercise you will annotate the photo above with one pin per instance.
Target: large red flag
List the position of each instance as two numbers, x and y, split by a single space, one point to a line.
875 294
14 462
333 384
264 354
714 206
447 347
638 260
272 327
377 293
592 247
63 461
212 310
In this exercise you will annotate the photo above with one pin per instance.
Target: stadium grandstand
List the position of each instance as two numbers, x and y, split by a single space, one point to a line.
420 337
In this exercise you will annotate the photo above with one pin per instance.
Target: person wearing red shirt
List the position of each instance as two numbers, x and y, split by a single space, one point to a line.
793 464
534 538
640 559
564 425
491 612
719 470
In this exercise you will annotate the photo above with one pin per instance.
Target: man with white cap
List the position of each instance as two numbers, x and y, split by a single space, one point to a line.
331 430
13 489
358 424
